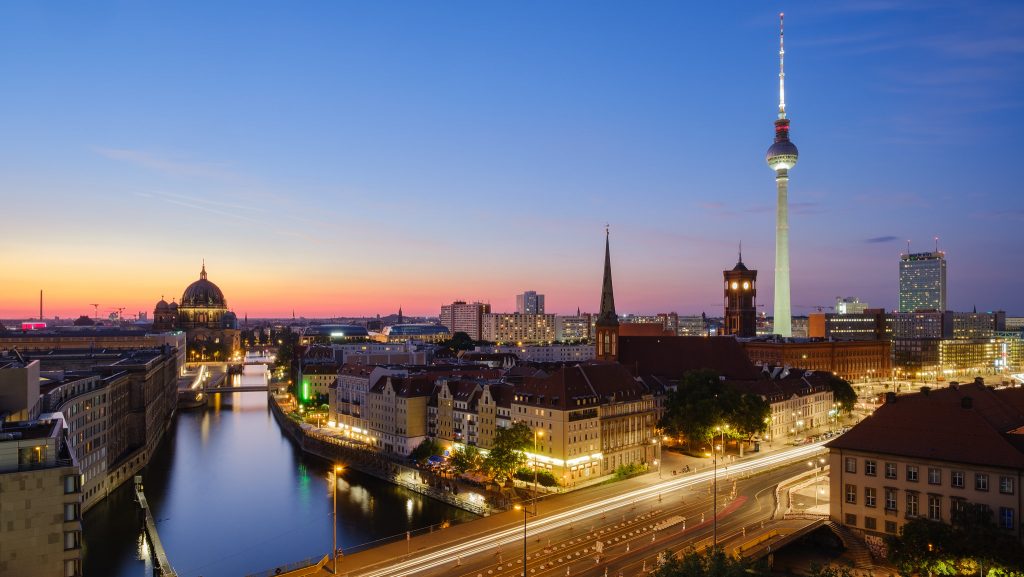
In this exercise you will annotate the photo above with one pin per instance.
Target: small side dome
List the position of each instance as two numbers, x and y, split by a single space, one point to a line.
162 306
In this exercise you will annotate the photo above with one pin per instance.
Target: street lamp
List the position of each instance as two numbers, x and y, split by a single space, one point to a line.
537 433
714 511
524 536
334 552
657 454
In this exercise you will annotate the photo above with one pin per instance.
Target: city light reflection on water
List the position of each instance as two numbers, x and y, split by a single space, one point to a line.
233 496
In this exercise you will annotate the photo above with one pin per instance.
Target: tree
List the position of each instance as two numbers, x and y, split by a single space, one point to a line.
703 401
429 447
971 543
710 563
465 459
507 453
842 393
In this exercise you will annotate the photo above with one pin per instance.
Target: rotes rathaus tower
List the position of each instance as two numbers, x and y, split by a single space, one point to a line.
781 157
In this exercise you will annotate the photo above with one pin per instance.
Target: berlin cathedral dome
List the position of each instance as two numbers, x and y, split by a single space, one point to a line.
211 329
203 293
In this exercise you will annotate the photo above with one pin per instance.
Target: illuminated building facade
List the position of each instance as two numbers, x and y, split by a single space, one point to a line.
927 455
851 360
922 281
868 325
504 328
463 317
530 303
211 329
573 328
591 419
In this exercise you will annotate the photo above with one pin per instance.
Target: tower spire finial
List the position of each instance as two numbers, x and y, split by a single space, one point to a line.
202 273
782 72
741 252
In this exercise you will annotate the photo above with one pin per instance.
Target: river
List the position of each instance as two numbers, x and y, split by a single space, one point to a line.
233 496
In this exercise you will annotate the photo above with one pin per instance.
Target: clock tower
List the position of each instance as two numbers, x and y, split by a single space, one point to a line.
740 300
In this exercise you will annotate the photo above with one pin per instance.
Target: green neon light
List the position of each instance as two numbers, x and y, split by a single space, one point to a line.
305 390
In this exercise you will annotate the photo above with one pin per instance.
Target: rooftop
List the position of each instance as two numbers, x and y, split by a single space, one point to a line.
968 423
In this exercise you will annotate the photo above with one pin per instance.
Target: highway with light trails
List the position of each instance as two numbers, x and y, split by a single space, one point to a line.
509 538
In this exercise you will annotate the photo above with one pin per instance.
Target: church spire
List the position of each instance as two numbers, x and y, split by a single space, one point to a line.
202 273
607 325
607 316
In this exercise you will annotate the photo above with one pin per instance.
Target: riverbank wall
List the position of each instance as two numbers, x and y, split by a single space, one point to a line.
368 462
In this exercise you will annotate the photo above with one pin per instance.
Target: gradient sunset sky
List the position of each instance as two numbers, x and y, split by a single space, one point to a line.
344 158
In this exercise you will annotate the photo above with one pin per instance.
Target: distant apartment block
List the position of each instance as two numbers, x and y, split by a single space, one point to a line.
505 328
530 303
463 317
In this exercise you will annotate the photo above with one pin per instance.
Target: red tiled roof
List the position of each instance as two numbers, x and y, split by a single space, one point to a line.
593 383
671 357
939 426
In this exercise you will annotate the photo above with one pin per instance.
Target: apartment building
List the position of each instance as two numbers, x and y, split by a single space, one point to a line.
931 455
799 400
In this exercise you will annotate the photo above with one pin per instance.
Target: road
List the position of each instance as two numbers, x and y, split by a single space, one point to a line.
570 527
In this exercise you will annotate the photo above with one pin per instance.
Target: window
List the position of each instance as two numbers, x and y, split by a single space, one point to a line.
890 526
935 507
1006 485
890 499
869 523
956 479
890 470
851 493
71 511
851 519
912 502
912 473
934 476
980 482
1006 517
851 465
870 493
72 540
72 568
870 467
72 484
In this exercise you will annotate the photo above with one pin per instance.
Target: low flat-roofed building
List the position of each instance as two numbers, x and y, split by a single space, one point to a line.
928 455
416 332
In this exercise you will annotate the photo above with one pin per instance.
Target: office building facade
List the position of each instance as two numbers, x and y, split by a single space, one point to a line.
922 281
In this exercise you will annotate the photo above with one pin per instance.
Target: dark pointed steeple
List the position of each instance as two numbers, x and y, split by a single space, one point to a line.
202 273
607 317
607 326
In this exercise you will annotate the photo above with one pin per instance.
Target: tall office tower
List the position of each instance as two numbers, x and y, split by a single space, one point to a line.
781 157
922 281
606 329
740 300
463 317
530 303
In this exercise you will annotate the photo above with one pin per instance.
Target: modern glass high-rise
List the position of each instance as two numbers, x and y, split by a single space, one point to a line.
922 281
530 303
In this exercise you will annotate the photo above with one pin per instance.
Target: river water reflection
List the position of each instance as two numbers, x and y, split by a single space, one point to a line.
233 496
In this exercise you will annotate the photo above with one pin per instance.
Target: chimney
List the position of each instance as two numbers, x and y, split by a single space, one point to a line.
954 385
966 403
890 397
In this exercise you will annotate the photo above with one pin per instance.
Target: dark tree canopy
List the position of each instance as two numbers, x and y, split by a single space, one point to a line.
971 543
710 563
703 401
842 393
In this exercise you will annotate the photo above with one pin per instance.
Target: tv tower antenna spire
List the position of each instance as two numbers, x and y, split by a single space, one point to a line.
782 70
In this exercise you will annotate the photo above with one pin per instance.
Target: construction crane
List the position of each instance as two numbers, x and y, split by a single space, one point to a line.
117 316
819 308
95 311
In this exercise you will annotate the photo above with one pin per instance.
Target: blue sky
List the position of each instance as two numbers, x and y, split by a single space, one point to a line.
348 158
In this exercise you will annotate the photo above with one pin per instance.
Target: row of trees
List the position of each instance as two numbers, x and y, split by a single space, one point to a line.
971 545
502 462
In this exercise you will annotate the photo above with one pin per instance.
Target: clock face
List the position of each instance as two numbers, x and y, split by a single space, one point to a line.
735 285
746 285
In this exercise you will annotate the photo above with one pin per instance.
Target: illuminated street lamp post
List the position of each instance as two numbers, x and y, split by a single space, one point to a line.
657 454
537 433
524 537
334 552
714 512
